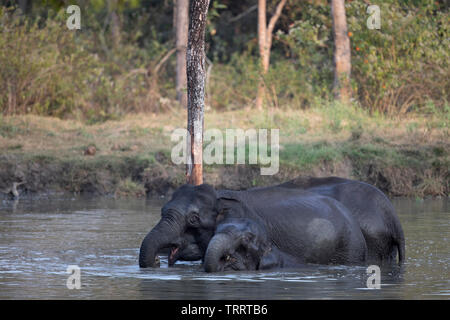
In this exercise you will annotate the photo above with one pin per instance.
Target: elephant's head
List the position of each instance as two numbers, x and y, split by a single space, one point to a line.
238 244
187 224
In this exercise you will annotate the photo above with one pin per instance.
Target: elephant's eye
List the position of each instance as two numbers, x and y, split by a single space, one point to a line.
193 219
228 258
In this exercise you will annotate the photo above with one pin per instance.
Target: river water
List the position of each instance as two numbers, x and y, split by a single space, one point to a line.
40 238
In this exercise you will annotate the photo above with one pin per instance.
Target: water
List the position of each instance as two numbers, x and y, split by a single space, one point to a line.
40 238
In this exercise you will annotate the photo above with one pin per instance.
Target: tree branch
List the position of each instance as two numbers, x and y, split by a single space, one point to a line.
163 60
243 14
275 17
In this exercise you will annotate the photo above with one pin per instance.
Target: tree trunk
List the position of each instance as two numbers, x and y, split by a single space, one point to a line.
182 25
114 23
342 62
24 6
262 50
265 33
196 74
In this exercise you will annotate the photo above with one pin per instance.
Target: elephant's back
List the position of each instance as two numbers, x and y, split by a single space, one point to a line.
315 227
368 205
318 227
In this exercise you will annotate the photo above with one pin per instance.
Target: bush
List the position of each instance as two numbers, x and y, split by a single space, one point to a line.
233 85
43 70
46 69
404 65
396 69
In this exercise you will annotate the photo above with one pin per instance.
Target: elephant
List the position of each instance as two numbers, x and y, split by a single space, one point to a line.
369 206
325 236
190 218
242 244
187 224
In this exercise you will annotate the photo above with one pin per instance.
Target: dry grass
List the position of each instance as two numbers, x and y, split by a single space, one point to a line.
407 156
142 133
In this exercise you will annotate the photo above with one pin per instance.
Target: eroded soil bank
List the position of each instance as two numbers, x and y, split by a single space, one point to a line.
134 176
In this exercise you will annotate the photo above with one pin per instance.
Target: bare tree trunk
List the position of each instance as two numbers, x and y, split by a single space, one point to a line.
182 25
265 33
196 74
24 6
342 59
174 18
114 22
262 50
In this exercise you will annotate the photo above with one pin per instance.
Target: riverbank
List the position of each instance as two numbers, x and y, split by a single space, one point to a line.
131 156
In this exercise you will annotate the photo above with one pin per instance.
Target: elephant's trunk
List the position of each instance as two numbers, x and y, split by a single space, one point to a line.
217 249
161 236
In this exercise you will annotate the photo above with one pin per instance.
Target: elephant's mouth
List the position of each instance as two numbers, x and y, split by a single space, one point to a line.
173 254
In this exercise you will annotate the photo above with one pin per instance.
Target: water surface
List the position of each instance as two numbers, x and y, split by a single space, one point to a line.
40 238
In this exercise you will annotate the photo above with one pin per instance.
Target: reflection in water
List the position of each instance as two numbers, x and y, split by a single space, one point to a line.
40 238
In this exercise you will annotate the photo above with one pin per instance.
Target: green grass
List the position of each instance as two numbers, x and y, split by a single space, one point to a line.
8 130
127 187
326 139
305 156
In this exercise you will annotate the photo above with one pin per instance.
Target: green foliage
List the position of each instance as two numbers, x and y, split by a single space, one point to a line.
310 46
404 65
41 69
8 130
127 187
396 69
47 69
233 85
96 74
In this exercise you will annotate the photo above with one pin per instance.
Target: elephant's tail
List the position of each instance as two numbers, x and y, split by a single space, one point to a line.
399 236
401 250
399 243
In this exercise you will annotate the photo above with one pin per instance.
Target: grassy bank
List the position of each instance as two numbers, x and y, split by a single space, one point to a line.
408 156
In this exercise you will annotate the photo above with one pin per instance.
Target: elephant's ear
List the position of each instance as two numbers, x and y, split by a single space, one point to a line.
227 206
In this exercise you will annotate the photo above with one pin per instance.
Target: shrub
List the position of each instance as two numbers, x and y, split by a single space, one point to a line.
404 65
46 69
396 69
42 69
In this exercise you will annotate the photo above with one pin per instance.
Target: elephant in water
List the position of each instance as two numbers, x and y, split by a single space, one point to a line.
187 224
243 244
369 206
189 220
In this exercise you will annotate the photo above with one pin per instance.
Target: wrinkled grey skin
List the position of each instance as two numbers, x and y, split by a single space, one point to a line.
242 244
302 228
189 220
190 251
187 224
369 206
188 240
